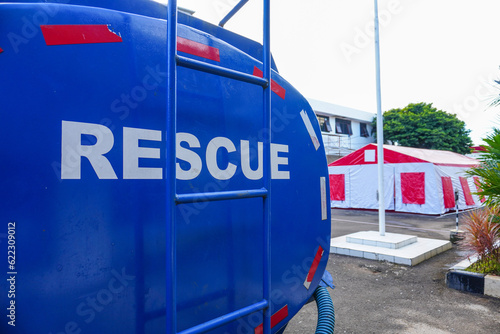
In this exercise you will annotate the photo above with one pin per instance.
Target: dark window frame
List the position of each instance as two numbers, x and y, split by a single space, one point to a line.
363 130
324 123
343 126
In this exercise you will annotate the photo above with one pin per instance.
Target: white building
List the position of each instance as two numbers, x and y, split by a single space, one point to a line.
343 129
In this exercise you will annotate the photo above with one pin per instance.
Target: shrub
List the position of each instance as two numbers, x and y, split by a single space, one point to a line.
482 236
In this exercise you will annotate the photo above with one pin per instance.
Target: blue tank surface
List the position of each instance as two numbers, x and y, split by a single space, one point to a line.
83 193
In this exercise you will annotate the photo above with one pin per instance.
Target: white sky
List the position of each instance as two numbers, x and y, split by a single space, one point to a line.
445 52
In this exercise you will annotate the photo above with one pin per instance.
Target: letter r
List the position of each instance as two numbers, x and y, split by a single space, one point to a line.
72 150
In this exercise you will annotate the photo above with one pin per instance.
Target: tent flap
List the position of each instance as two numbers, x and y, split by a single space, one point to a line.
337 187
448 192
465 187
413 188
478 188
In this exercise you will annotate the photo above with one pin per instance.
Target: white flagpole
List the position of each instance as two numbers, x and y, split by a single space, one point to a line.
380 133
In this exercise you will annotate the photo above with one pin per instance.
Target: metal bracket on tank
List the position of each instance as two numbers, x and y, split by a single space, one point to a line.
233 11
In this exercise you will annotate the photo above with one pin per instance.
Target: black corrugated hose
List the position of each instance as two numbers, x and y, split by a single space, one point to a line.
326 313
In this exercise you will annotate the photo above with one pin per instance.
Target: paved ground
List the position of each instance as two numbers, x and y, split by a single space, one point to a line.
380 297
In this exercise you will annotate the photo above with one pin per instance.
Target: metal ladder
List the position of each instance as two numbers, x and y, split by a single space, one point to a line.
173 199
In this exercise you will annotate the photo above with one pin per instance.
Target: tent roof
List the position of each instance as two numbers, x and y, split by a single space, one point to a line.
400 154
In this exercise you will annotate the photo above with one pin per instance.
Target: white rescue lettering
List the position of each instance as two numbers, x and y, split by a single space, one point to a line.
74 148
187 155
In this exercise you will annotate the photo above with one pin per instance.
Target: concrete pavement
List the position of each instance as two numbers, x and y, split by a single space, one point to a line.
382 297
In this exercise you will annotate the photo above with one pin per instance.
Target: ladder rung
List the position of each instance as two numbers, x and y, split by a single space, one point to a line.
221 71
227 318
220 195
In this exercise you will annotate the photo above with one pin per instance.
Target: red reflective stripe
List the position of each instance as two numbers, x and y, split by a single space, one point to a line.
65 34
197 49
89 34
276 318
275 87
314 265
1 50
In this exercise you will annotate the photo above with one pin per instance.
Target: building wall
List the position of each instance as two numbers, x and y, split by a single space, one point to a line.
344 133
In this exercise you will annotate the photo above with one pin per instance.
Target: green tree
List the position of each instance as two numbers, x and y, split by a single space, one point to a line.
423 126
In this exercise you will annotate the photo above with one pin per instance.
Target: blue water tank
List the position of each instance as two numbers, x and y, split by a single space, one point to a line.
83 196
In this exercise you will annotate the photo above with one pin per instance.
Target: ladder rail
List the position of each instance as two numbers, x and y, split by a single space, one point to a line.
170 179
266 63
173 199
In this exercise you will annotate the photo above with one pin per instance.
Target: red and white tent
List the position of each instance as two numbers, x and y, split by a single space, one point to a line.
416 180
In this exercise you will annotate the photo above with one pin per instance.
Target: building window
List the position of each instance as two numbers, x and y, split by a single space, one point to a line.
324 124
363 130
343 126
